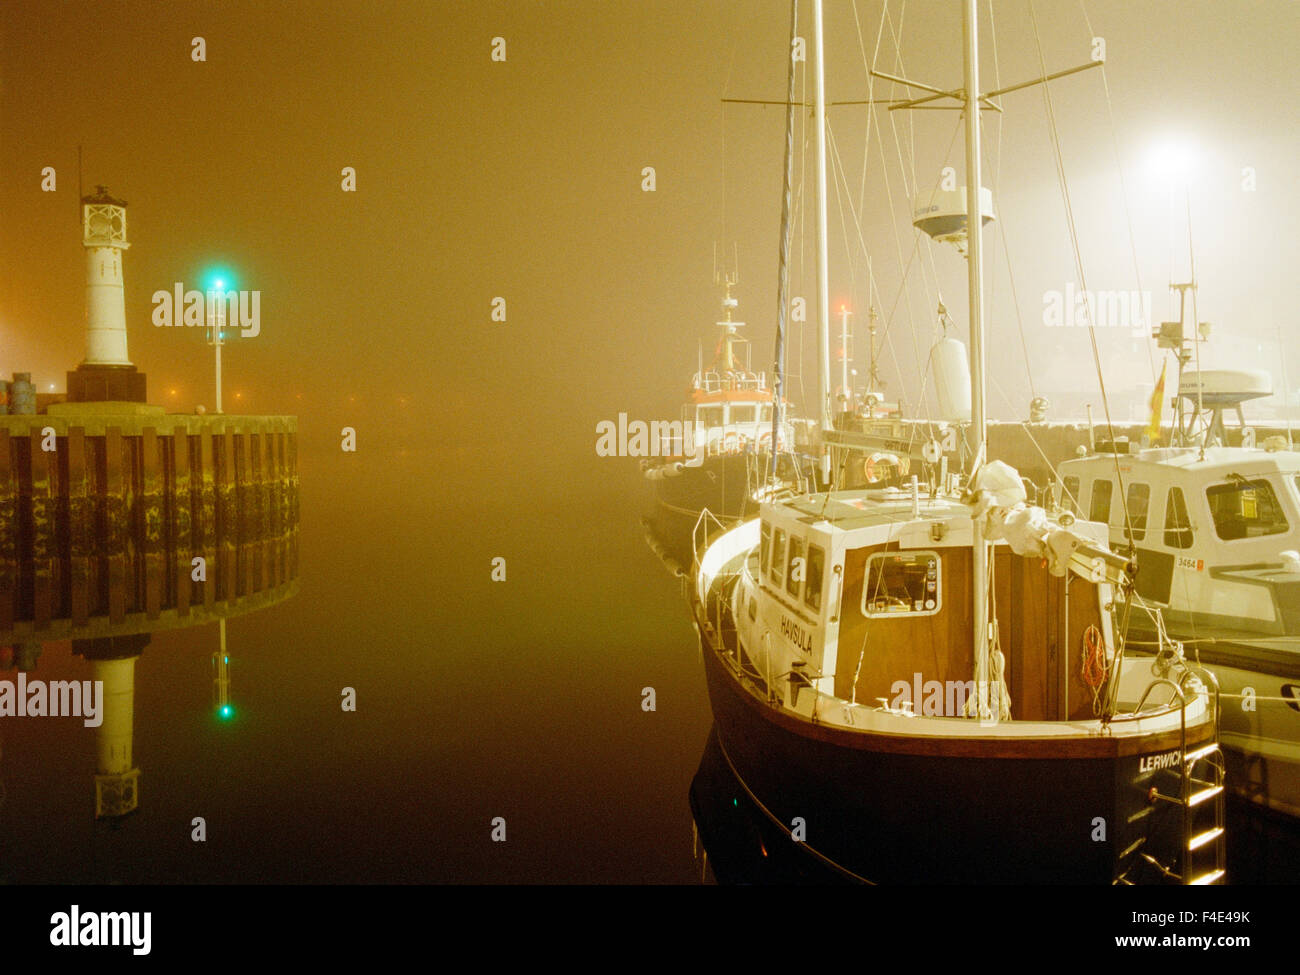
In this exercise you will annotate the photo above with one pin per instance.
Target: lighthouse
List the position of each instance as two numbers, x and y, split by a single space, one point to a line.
117 779
107 372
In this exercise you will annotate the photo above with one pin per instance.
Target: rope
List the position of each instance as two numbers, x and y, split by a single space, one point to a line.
1094 668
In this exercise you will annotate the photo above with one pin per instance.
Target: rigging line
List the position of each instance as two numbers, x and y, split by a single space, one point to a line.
871 89
857 223
901 68
918 242
1034 442
1002 225
1196 317
1123 188
1078 260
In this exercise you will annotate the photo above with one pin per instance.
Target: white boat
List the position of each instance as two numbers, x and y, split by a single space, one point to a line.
719 461
1215 534
930 685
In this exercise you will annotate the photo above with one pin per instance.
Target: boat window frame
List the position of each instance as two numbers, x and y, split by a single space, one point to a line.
709 407
1253 484
764 547
1184 532
793 586
912 554
812 593
1070 495
1094 514
774 574
1137 525
741 406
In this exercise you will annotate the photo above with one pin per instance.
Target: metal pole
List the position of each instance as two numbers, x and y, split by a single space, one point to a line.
974 225
823 285
844 363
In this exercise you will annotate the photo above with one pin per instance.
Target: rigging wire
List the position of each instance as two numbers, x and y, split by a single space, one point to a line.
1002 225
1078 258
1123 188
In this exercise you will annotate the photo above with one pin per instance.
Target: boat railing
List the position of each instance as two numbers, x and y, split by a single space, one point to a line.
706 527
718 382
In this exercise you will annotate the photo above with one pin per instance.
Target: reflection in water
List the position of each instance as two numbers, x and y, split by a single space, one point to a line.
742 844
138 522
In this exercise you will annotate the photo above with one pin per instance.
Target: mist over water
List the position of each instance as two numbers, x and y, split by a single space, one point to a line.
476 438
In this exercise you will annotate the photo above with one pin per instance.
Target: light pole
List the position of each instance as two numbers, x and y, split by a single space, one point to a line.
216 326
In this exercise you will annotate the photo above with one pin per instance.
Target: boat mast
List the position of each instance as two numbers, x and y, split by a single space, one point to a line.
974 228
823 286
783 274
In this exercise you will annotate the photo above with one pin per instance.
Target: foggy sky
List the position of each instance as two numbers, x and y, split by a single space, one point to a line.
522 179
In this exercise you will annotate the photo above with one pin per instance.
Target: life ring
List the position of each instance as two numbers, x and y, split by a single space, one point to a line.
765 440
731 442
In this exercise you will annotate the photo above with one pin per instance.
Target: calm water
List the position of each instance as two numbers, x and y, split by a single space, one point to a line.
475 699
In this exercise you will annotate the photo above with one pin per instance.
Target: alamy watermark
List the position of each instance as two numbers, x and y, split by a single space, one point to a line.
939 699
198 309
55 699
1074 308
654 438
77 929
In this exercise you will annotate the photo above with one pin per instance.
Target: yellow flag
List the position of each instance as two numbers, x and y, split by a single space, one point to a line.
1157 407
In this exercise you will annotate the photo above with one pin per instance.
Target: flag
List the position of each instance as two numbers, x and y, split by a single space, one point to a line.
1157 407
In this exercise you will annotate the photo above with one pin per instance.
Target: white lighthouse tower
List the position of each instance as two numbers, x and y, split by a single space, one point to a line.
107 372
103 234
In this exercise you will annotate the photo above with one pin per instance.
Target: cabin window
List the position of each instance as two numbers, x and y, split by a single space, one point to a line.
1245 509
902 584
812 593
711 416
1099 506
753 608
1178 527
766 415
798 567
1071 500
778 556
1138 500
742 414
765 544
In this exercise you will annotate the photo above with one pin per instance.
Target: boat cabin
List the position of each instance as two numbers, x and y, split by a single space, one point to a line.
1209 532
868 598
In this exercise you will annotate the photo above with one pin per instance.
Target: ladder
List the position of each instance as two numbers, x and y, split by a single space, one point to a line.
1202 854
1203 802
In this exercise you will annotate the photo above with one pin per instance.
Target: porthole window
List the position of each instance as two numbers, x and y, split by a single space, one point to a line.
902 584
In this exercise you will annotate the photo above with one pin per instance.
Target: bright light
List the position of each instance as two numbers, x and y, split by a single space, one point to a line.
219 284
1173 160
226 712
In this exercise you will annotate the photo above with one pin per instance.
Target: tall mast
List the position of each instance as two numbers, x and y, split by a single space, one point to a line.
783 274
974 228
823 286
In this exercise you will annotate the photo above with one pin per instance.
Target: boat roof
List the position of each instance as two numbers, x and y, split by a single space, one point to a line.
851 510
1189 459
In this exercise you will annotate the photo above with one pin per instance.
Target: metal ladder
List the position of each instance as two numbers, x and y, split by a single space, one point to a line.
1202 857
1202 800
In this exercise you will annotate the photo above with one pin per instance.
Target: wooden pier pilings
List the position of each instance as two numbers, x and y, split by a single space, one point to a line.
98 536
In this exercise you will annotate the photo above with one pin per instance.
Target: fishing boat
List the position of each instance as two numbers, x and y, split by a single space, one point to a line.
1212 522
931 684
717 458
